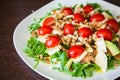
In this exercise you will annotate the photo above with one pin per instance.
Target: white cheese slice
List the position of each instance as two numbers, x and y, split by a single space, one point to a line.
78 59
42 38
101 45
102 22
51 51
93 12
101 60
69 16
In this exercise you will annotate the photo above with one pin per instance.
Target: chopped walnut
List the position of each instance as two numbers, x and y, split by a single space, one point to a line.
88 58
118 17
94 53
34 33
68 40
47 59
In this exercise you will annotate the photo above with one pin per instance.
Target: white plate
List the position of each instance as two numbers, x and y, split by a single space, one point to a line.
21 35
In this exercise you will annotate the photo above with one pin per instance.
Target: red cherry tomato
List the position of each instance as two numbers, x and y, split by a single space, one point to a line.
68 29
44 30
75 51
88 8
78 18
97 17
112 23
68 11
85 32
52 41
48 21
105 33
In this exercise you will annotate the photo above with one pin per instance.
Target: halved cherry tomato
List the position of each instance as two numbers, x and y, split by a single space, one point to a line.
85 32
75 51
88 8
113 24
68 10
105 33
97 17
78 18
52 41
48 21
44 30
68 29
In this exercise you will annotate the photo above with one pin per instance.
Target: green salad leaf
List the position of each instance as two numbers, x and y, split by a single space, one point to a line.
56 55
34 48
84 70
60 5
108 12
95 5
111 62
63 59
73 7
36 24
90 69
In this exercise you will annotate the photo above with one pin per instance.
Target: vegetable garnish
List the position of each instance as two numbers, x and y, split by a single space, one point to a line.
82 39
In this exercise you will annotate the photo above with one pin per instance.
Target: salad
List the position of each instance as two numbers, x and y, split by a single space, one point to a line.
77 40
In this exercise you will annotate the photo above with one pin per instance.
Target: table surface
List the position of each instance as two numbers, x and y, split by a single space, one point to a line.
11 13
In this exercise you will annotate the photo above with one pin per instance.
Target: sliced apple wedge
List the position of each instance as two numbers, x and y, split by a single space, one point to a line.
51 51
79 58
101 45
101 60
42 38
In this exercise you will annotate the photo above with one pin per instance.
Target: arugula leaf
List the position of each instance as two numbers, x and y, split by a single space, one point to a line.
57 68
111 62
37 62
36 24
90 69
73 7
28 51
63 59
108 12
118 61
62 56
57 54
84 70
60 5
81 5
34 47
78 69
95 5
45 16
